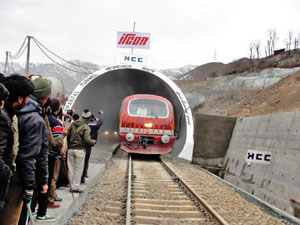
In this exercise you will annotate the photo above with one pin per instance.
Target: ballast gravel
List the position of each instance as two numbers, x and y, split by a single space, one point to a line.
229 204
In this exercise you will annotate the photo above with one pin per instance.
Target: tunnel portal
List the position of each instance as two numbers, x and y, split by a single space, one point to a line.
106 88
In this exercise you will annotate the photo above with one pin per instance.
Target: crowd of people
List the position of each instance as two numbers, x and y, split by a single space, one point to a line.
35 138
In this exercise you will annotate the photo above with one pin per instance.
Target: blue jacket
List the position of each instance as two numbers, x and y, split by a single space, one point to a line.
95 126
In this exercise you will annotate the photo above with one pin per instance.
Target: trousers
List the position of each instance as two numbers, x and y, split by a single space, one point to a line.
75 163
86 162
52 187
13 205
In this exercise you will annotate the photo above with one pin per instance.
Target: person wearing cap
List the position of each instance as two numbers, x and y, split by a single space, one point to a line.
78 138
94 124
32 159
56 136
20 89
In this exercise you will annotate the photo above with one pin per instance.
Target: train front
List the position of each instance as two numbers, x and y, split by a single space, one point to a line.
146 125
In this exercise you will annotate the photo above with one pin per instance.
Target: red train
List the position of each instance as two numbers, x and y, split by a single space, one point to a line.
146 124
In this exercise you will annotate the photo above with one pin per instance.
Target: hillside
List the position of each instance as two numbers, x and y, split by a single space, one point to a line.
282 96
244 65
269 85
71 75
216 69
270 95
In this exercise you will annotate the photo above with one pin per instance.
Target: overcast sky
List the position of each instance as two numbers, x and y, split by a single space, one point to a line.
183 32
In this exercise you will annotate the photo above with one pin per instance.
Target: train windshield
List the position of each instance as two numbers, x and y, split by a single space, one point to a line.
148 107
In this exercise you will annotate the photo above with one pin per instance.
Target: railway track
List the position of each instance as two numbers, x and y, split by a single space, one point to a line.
157 195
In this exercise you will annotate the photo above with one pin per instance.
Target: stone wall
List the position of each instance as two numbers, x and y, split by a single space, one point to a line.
279 182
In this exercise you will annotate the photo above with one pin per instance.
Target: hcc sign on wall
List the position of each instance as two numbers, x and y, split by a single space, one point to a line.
254 156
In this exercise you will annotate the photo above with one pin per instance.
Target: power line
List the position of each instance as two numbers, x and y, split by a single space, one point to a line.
16 57
21 50
55 61
37 41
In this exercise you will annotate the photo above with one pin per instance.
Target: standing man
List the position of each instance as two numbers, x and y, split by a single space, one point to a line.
78 138
32 159
94 124
20 89
6 143
56 146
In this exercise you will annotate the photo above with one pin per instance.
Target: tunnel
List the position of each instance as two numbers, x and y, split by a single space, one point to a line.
106 88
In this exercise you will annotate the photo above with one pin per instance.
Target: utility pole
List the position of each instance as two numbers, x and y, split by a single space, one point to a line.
28 55
215 55
6 63
133 31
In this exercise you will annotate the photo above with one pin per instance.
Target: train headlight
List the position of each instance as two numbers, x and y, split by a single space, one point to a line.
148 125
165 139
129 137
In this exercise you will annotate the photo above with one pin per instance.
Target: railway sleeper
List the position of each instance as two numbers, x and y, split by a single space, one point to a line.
181 197
111 209
175 192
162 201
157 220
168 213
166 207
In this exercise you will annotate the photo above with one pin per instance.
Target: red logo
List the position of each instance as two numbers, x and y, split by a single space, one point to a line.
132 39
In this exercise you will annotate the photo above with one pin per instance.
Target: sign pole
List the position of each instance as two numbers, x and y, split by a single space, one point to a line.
133 31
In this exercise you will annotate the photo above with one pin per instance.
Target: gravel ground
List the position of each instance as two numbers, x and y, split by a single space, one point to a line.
105 203
229 204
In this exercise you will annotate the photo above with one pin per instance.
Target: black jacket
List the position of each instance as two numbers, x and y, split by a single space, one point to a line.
6 150
32 159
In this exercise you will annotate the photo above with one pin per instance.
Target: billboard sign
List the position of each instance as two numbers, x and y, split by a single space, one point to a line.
133 59
133 40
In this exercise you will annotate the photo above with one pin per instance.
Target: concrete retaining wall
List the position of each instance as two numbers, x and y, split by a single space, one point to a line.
211 139
278 182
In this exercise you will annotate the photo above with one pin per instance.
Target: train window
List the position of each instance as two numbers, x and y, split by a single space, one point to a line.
148 107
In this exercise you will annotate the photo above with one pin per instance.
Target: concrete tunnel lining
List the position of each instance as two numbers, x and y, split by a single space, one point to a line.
106 88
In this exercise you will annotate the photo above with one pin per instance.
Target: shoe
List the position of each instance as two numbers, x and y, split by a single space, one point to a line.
77 191
84 180
45 218
57 199
34 213
53 205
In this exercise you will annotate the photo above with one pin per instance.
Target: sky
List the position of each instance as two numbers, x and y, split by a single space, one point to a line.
183 32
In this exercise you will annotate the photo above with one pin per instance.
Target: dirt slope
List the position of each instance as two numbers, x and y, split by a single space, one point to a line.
216 69
281 97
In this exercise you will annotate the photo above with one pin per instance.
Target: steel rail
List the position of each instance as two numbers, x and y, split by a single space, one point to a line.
206 206
128 205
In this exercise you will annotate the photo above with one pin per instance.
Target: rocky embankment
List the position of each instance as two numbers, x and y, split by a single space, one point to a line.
268 91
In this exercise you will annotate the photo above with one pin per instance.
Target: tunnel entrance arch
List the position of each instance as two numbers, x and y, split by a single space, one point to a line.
106 88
